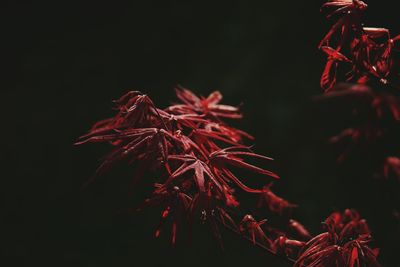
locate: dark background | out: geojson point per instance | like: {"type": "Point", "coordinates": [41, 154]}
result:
{"type": "Point", "coordinates": [65, 62]}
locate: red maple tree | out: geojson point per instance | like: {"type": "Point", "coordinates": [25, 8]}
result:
{"type": "Point", "coordinates": [196, 156]}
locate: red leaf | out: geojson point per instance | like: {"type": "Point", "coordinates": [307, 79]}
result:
{"type": "Point", "coordinates": [274, 203]}
{"type": "Point", "coordinates": [232, 156]}
{"type": "Point", "coordinates": [328, 78]}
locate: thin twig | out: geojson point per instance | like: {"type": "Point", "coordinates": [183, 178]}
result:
{"type": "Point", "coordinates": [258, 244]}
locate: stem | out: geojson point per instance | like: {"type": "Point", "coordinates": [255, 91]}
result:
{"type": "Point", "coordinates": [258, 244]}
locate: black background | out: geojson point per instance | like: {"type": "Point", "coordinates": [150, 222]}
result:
{"type": "Point", "coordinates": [65, 62]}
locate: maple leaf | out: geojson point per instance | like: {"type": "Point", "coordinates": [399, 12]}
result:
{"type": "Point", "coordinates": [345, 6]}
{"type": "Point", "coordinates": [345, 243]}
{"type": "Point", "coordinates": [232, 156]}
{"type": "Point", "coordinates": [233, 134]}
{"type": "Point", "coordinates": [182, 121]}
{"type": "Point", "coordinates": [208, 106]}
{"type": "Point", "coordinates": [208, 138]}
{"type": "Point", "coordinates": [184, 145]}
{"type": "Point", "coordinates": [132, 143]}
{"type": "Point", "coordinates": [201, 172]}
{"type": "Point", "coordinates": [135, 110]}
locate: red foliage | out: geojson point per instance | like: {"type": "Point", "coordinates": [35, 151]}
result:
{"type": "Point", "coordinates": [367, 54]}
{"type": "Point", "coordinates": [344, 244]}
{"type": "Point", "coordinates": [193, 153]}
{"type": "Point", "coordinates": [366, 51]}
{"type": "Point", "coordinates": [190, 148]}
{"type": "Point", "coordinates": [371, 96]}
